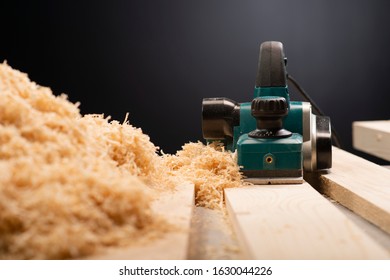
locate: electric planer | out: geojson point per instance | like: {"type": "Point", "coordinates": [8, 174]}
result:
{"type": "Point", "coordinates": [276, 139]}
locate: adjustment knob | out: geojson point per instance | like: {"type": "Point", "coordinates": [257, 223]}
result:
{"type": "Point", "coordinates": [269, 113]}
{"type": "Point", "coordinates": [269, 107]}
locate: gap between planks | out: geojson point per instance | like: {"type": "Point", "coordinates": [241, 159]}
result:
{"type": "Point", "coordinates": [295, 222]}
{"type": "Point", "coordinates": [212, 236]}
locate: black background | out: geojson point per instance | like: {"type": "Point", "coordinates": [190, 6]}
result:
{"type": "Point", "coordinates": [158, 59]}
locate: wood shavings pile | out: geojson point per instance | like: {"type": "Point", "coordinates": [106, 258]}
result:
{"type": "Point", "coordinates": [210, 168]}
{"type": "Point", "coordinates": [71, 184]}
{"type": "Point", "coordinates": [68, 183]}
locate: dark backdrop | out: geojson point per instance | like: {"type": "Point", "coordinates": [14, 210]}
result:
{"type": "Point", "coordinates": [158, 59]}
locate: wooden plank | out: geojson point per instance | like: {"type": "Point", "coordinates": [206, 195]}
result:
{"type": "Point", "coordinates": [295, 222]}
{"type": "Point", "coordinates": [372, 137]}
{"type": "Point", "coordinates": [381, 237]}
{"type": "Point", "coordinates": [177, 208]}
{"type": "Point", "coordinates": [359, 185]}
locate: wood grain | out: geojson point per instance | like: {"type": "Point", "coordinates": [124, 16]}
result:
{"type": "Point", "coordinates": [176, 207]}
{"type": "Point", "coordinates": [372, 137]}
{"type": "Point", "coordinates": [295, 222]}
{"type": "Point", "coordinates": [359, 185]}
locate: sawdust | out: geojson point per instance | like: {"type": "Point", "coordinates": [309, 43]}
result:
{"type": "Point", "coordinates": [72, 184]}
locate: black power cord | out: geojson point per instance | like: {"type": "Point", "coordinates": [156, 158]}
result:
{"type": "Point", "coordinates": [316, 109]}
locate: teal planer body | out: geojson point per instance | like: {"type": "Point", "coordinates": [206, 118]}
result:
{"type": "Point", "coordinates": [275, 139]}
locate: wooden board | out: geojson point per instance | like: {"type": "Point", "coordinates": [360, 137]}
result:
{"type": "Point", "coordinates": [359, 185]}
{"type": "Point", "coordinates": [295, 222]}
{"type": "Point", "coordinates": [372, 137]}
{"type": "Point", "coordinates": [176, 207]}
